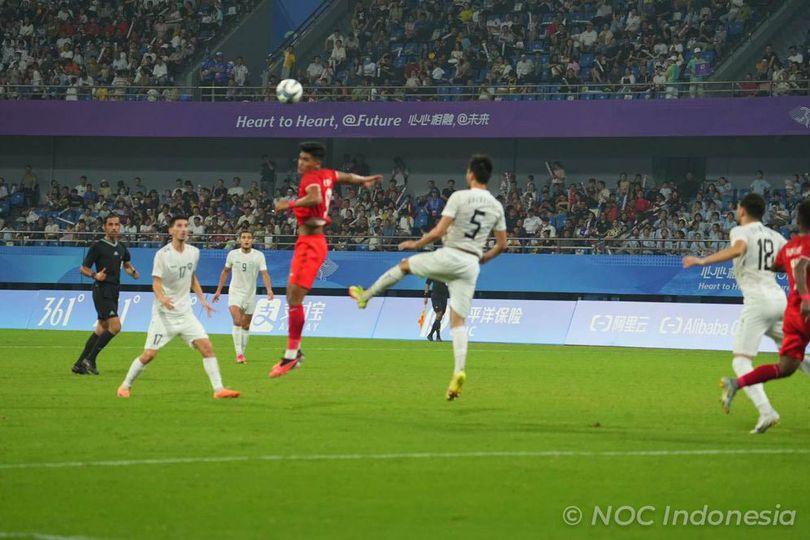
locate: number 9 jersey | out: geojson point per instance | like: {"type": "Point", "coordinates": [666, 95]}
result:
{"type": "Point", "coordinates": [475, 213]}
{"type": "Point", "coordinates": [317, 215]}
{"type": "Point", "coordinates": [753, 268]}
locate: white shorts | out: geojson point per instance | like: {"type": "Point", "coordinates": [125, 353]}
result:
{"type": "Point", "coordinates": [163, 328]}
{"type": "Point", "coordinates": [458, 269]}
{"type": "Point", "coordinates": [760, 317]}
{"type": "Point", "coordinates": [245, 302]}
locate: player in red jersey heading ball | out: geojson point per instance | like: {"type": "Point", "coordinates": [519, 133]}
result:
{"type": "Point", "coordinates": [312, 212]}
{"type": "Point", "coordinates": [795, 260]}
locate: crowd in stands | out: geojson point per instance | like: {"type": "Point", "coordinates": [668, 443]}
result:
{"type": "Point", "coordinates": [780, 75]}
{"type": "Point", "coordinates": [500, 48]}
{"type": "Point", "coordinates": [104, 49]}
{"type": "Point", "coordinates": [549, 214]}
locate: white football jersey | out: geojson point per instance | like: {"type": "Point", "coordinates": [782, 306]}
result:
{"type": "Point", "coordinates": [475, 213]}
{"type": "Point", "coordinates": [175, 269]}
{"type": "Point", "coordinates": [245, 268]}
{"type": "Point", "coordinates": [752, 268]}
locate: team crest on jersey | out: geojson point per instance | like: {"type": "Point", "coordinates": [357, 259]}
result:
{"type": "Point", "coordinates": [189, 265]}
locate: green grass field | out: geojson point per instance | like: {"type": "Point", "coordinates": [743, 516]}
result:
{"type": "Point", "coordinates": [360, 443]}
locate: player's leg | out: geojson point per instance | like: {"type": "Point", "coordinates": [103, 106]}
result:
{"type": "Point", "coordinates": [791, 355]}
{"type": "Point", "coordinates": [193, 333]}
{"type": "Point", "coordinates": [249, 308]}
{"type": "Point", "coordinates": [157, 336]}
{"type": "Point", "coordinates": [388, 279]}
{"type": "Point", "coordinates": [756, 320]}
{"type": "Point", "coordinates": [236, 330]}
{"type": "Point", "coordinates": [461, 290]}
{"type": "Point", "coordinates": [310, 253]}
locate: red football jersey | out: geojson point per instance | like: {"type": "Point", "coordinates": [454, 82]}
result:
{"type": "Point", "coordinates": [796, 249]}
{"type": "Point", "coordinates": [318, 215]}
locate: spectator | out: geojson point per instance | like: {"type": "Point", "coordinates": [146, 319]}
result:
{"type": "Point", "coordinates": [760, 185]}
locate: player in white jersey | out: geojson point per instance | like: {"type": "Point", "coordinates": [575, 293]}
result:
{"type": "Point", "coordinates": [467, 220]}
{"type": "Point", "coordinates": [246, 263]}
{"type": "Point", "coordinates": [753, 249]}
{"type": "Point", "coordinates": [174, 274]}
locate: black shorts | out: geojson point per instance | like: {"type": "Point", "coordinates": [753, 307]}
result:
{"type": "Point", "coordinates": [439, 303]}
{"type": "Point", "coordinates": [105, 299]}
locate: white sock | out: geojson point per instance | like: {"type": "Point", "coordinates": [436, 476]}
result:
{"type": "Point", "coordinates": [212, 369]}
{"type": "Point", "coordinates": [756, 393]}
{"type": "Point", "coordinates": [290, 354]}
{"type": "Point", "coordinates": [459, 334]}
{"type": "Point", "coordinates": [245, 337]}
{"type": "Point", "coordinates": [389, 278]}
{"type": "Point", "coordinates": [236, 333]}
{"type": "Point", "coordinates": [134, 370]}
{"type": "Point", "coordinates": [805, 366]}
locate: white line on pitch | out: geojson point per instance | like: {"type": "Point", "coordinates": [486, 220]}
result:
{"type": "Point", "coordinates": [409, 456]}
{"type": "Point", "coordinates": [41, 536]}
{"type": "Point", "coordinates": [376, 349]}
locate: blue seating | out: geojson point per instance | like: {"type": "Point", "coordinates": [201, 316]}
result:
{"type": "Point", "coordinates": [586, 60]}
{"type": "Point", "coordinates": [17, 198]}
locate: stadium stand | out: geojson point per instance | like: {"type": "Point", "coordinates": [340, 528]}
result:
{"type": "Point", "coordinates": [625, 214]}
{"type": "Point", "coordinates": [105, 50]}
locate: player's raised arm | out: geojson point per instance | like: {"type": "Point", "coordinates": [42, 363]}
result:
{"type": "Point", "coordinates": [356, 179]}
{"type": "Point", "coordinates": [497, 249]}
{"type": "Point", "coordinates": [313, 197]}
{"type": "Point", "coordinates": [732, 252]}
{"type": "Point", "coordinates": [429, 237]}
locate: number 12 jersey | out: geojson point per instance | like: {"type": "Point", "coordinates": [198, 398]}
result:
{"type": "Point", "coordinates": [753, 268]}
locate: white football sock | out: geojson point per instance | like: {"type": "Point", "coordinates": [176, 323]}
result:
{"type": "Point", "coordinates": [743, 365]}
{"type": "Point", "coordinates": [290, 354]}
{"type": "Point", "coordinates": [134, 370]}
{"type": "Point", "coordinates": [236, 332]}
{"type": "Point", "coordinates": [389, 278]}
{"type": "Point", "coordinates": [212, 369]}
{"type": "Point", "coordinates": [459, 334]}
{"type": "Point", "coordinates": [245, 337]}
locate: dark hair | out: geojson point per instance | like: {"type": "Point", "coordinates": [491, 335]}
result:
{"type": "Point", "coordinates": [754, 205]}
{"type": "Point", "coordinates": [314, 149]}
{"type": "Point", "coordinates": [245, 231]}
{"type": "Point", "coordinates": [481, 168]}
{"type": "Point", "coordinates": [109, 217]}
{"type": "Point", "coordinates": [177, 218]}
{"type": "Point", "coordinates": [804, 215]}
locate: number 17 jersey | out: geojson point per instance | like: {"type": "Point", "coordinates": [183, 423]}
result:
{"type": "Point", "coordinates": [752, 268]}
{"type": "Point", "coordinates": [476, 213]}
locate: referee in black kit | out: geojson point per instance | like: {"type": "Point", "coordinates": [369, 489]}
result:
{"type": "Point", "coordinates": [108, 254]}
{"type": "Point", "coordinates": [438, 297]}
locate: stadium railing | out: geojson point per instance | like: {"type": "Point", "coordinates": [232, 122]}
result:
{"type": "Point", "coordinates": [441, 93]}
{"type": "Point", "coordinates": [531, 245]}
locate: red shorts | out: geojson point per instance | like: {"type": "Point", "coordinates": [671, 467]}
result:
{"type": "Point", "coordinates": [310, 252]}
{"type": "Point", "coordinates": [797, 335]}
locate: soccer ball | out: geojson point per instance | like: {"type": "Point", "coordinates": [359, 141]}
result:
{"type": "Point", "coordinates": [289, 91]}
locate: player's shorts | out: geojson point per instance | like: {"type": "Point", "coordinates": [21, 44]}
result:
{"type": "Point", "coordinates": [245, 302]}
{"type": "Point", "coordinates": [163, 328]}
{"type": "Point", "coordinates": [797, 335]}
{"type": "Point", "coordinates": [439, 303]}
{"type": "Point", "coordinates": [458, 269]}
{"type": "Point", "coordinates": [105, 300]}
{"type": "Point", "coordinates": [310, 253]}
{"type": "Point", "coordinates": [759, 317]}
